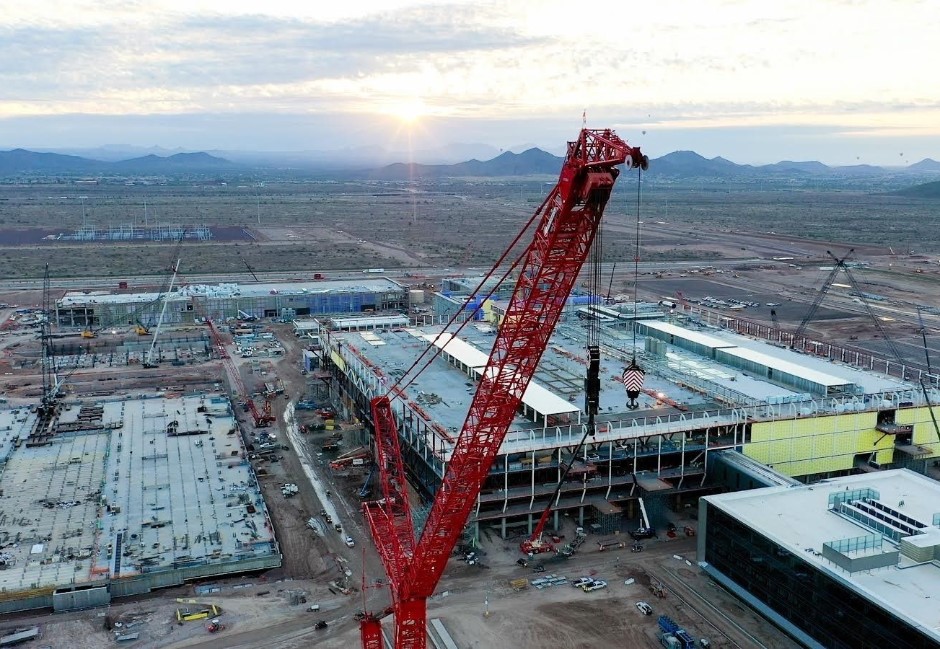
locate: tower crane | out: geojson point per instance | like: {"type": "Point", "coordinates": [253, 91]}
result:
{"type": "Point", "coordinates": [567, 224]}
{"type": "Point", "coordinates": [839, 266]}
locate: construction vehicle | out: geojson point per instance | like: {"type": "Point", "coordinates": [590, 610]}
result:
{"type": "Point", "coordinates": [215, 626]}
{"type": "Point", "coordinates": [645, 531]}
{"type": "Point", "coordinates": [366, 490]}
{"type": "Point", "coordinates": [88, 332]}
{"type": "Point", "coordinates": [673, 635]}
{"type": "Point", "coordinates": [567, 222]}
{"type": "Point", "coordinates": [141, 329]}
{"type": "Point", "coordinates": [657, 588]}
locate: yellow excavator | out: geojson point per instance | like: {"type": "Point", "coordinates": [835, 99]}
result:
{"type": "Point", "coordinates": [141, 328]}
{"type": "Point", "coordinates": [89, 333]}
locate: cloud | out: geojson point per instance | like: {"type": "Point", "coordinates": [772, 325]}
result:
{"type": "Point", "coordinates": [216, 59]}
{"type": "Point", "coordinates": [670, 64]}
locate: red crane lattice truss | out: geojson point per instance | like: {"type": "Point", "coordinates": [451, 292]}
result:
{"type": "Point", "coordinates": [568, 222]}
{"type": "Point", "coordinates": [261, 418]}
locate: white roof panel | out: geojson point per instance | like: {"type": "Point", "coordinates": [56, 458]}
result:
{"type": "Point", "coordinates": [785, 366]}
{"type": "Point", "coordinates": [693, 336]}
{"type": "Point", "coordinates": [536, 397]}
{"type": "Point", "coordinates": [369, 321]}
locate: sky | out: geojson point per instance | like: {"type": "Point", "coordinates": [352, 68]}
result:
{"type": "Point", "coordinates": [841, 81]}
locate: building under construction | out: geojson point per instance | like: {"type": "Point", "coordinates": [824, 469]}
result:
{"type": "Point", "coordinates": [196, 302]}
{"type": "Point", "coordinates": [707, 390]}
{"type": "Point", "coordinates": [120, 497]}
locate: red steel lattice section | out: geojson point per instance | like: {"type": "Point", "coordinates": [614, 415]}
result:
{"type": "Point", "coordinates": [564, 235]}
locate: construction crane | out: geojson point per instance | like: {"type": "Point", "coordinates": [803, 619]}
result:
{"type": "Point", "coordinates": [840, 266]}
{"type": "Point", "coordinates": [50, 384]}
{"type": "Point", "coordinates": [149, 361]}
{"type": "Point", "coordinates": [568, 222]}
{"type": "Point", "coordinates": [610, 285]}
{"type": "Point", "coordinates": [250, 269]}
{"type": "Point", "coordinates": [262, 418]}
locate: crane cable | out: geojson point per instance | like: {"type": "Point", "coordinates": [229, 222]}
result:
{"type": "Point", "coordinates": [401, 384]}
{"type": "Point", "coordinates": [636, 259]}
{"type": "Point", "coordinates": [633, 374]}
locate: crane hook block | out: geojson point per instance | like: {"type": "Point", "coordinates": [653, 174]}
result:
{"type": "Point", "coordinates": [633, 381]}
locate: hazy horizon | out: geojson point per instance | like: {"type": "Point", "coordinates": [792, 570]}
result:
{"type": "Point", "coordinates": [751, 82]}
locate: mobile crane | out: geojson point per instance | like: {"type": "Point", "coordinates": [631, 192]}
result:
{"type": "Point", "coordinates": [568, 222]}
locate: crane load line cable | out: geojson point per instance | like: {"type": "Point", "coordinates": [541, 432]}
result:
{"type": "Point", "coordinates": [636, 259]}
{"type": "Point", "coordinates": [435, 351]}
{"type": "Point", "coordinates": [589, 428]}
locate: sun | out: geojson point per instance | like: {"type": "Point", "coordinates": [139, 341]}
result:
{"type": "Point", "coordinates": [409, 111]}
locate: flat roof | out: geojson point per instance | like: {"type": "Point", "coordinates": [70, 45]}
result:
{"type": "Point", "coordinates": [164, 480]}
{"type": "Point", "coordinates": [535, 396]}
{"type": "Point", "coordinates": [227, 290]}
{"type": "Point", "coordinates": [787, 367]}
{"type": "Point", "coordinates": [15, 424]}
{"type": "Point", "coordinates": [870, 382]}
{"type": "Point", "coordinates": [712, 342]}
{"type": "Point", "coordinates": [444, 392]}
{"type": "Point", "coordinates": [369, 321]}
{"type": "Point", "coordinates": [798, 518]}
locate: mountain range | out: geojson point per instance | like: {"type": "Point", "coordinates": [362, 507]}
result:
{"type": "Point", "coordinates": [23, 162]}
{"type": "Point", "coordinates": [533, 161]}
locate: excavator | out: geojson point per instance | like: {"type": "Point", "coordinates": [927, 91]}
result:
{"type": "Point", "coordinates": [141, 329]}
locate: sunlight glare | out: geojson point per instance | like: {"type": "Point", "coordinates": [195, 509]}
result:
{"type": "Point", "coordinates": [408, 112]}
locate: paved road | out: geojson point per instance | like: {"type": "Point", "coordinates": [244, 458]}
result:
{"type": "Point", "coordinates": [307, 275]}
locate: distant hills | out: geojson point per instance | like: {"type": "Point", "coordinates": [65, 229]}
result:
{"type": "Point", "coordinates": [925, 190]}
{"type": "Point", "coordinates": [676, 165]}
{"type": "Point", "coordinates": [528, 163]}
{"type": "Point", "coordinates": [22, 162]}
{"type": "Point", "coordinates": [679, 165]}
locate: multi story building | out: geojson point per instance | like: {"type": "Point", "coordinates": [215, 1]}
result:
{"type": "Point", "coordinates": [843, 563]}
{"type": "Point", "coordinates": [707, 390]}
{"type": "Point", "coordinates": [194, 302]}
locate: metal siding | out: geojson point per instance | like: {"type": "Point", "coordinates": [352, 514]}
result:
{"type": "Point", "coordinates": [813, 445]}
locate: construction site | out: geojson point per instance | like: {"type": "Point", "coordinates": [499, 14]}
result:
{"type": "Point", "coordinates": [123, 496]}
{"type": "Point", "coordinates": [708, 392]}
{"type": "Point", "coordinates": [448, 459]}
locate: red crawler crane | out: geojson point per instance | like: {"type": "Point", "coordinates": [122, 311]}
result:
{"type": "Point", "coordinates": [261, 418]}
{"type": "Point", "coordinates": [568, 222]}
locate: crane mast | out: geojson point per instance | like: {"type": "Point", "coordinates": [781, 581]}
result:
{"type": "Point", "coordinates": [567, 226]}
